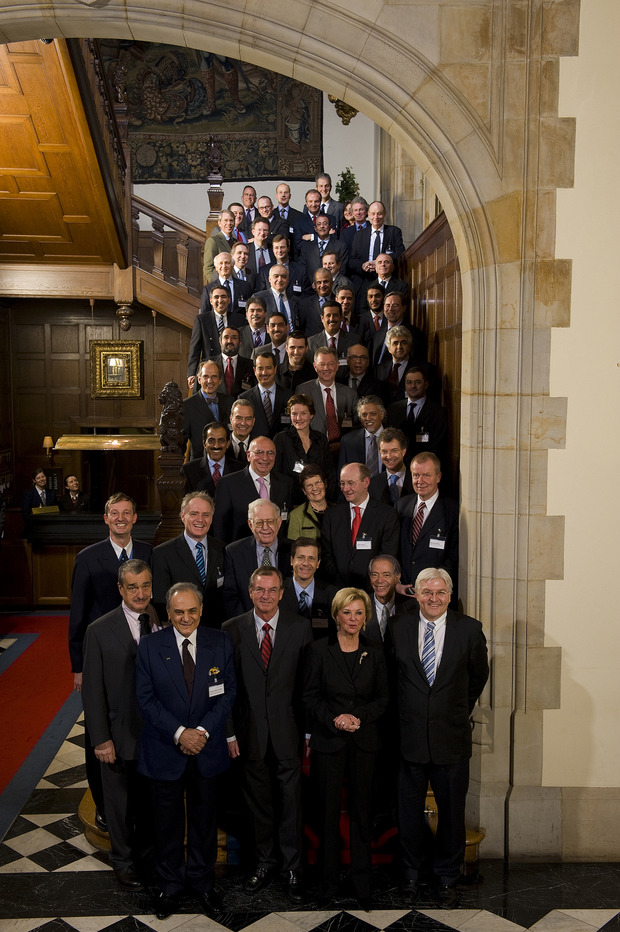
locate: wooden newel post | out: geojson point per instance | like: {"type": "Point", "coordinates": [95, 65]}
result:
{"type": "Point", "coordinates": [171, 484]}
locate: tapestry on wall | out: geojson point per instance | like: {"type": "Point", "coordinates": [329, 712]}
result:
{"type": "Point", "coordinates": [265, 124]}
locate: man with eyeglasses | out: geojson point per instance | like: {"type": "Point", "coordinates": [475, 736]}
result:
{"type": "Point", "coordinates": [269, 646]}
{"type": "Point", "coordinates": [441, 666]}
{"type": "Point", "coordinates": [257, 480]}
{"type": "Point", "coordinates": [356, 531]}
{"type": "Point", "coordinates": [113, 720]}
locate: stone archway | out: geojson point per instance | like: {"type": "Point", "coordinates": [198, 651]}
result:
{"type": "Point", "coordinates": [470, 92]}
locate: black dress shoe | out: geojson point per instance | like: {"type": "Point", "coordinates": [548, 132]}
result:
{"type": "Point", "coordinates": [447, 897]}
{"type": "Point", "coordinates": [211, 903]}
{"type": "Point", "coordinates": [365, 903]}
{"type": "Point", "coordinates": [293, 887]}
{"type": "Point", "coordinates": [100, 821]}
{"type": "Point", "coordinates": [410, 891]}
{"type": "Point", "coordinates": [128, 879]}
{"type": "Point", "coordinates": [260, 879]}
{"type": "Point", "coordinates": [165, 905]}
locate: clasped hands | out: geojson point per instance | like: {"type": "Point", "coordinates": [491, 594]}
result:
{"type": "Point", "coordinates": [346, 722]}
{"type": "Point", "coordinates": [192, 741]}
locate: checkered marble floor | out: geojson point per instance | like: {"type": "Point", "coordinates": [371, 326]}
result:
{"type": "Point", "coordinates": [53, 880]}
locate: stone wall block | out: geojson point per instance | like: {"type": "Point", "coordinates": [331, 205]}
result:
{"type": "Point", "coordinates": [553, 292]}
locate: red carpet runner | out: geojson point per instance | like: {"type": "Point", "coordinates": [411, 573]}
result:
{"type": "Point", "coordinates": [33, 688]}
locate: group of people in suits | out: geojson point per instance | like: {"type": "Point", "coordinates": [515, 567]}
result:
{"type": "Point", "coordinates": [72, 501]}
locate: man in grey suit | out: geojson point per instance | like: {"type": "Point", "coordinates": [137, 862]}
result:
{"type": "Point", "coordinates": [269, 647]}
{"type": "Point", "coordinates": [325, 392]}
{"type": "Point", "coordinates": [113, 720]}
{"type": "Point", "coordinates": [192, 557]}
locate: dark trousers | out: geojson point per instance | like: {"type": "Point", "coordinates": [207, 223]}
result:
{"type": "Point", "coordinates": [449, 783]}
{"type": "Point", "coordinates": [272, 790]}
{"type": "Point", "coordinates": [330, 770]}
{"type": "Point", "coordinates": [128, 813]}
{"type": "Point", "coordinates": [168, 796]}
{"type": "Point", "coordinates": [93, 773]}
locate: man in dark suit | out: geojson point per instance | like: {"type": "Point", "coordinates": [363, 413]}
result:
{"type": "Point", "coordinates": [243, 556]}
{"type": "Point", "coordinates": [311, 306]}
{"type": "Point", "coordinates": [394, 480]}
{"type": "Point", "coordinates": [257, 480]}
{"type": "Point", "coordinates": [357, 530]}
{"type": "Point", "coordinates": [290, 214]}
{"type": "Point", "coordinates": [429, 523]}
{"type": "Point", "coordinates": [298, 281]}
{"type": "Point", "coordinates": [260, 255]}
{"type": "Point", "coordinates": [238, 291]}
{"type": "Point", "coordinates": [394, 313]}
{"type": "Point", "coordinates": [204, 474]}
{"type": "Point", "coordinates": [185, 684]}
{"type": "Point", "coordinates": [303, 594]}
{"type": "Point", "coordinates": [221, 240]}
{"type": "Point", "coordinates": [310, 214]}
{"type": "Point", "coordinates": [357, 375]}
{"type": "Point", "coordinates": [359, 208]}
{"type": "Point", "coordinates": [205, 406]}
{"type": "Point", "coordinates": [192, 557]}
{"type": "Point", "coordinates": [94, 592]}
{"type": "Point", "coordinates": [248, 198]}
{"type": "Point", "coordinates": [372, 319]}
{"type": "Point", "coordinates": [240, 255]}
{"type": "Point", "coordinates": [441, 667]}
{"type": "Point", "coordinates": [323, 184]}
{"type": "Point", "coordinates": [74, 501]}
{"type": "Point", "coordinates": [237, 370]}
{"type": "Point", "coordinates": [269, 647]}
{"type": "Point", "coordinates": [424, 422]}
{"type": "Point", "coordinates": [296, 367]}
{"type": "Point", "coordinates": [277, 299]}
{"type": "Point", "coordinates": [113, 720]}
{"type": "Point", "coordinates": [269, 411]}
{"type": "Point", "coordinates": [206, 330]}
{"type": "Point", "coordinates": [384, 576]}
{"type": "Point", "coordinates": [312, 250]}
{"type": "Point", "coordinates": [396, 361]}
{"type": "Point", "coordinates": [386, 280]}
{"type": "Point", "coordinates": [375, 239]}
{"type": "Point", "coordinates": [345, 296]}
{"type": "Point", "coordinates": [331, 334]}
{"type": "Point", "coordinates": [325, 388]}
{"type": "Point", "coordinates": [255, 334]}
{"type": "Point", "coordinates": [39, 496]}
{"type": "Point", "coordinates": [362, 446]}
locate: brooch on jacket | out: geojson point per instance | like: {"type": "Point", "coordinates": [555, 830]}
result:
{"type": "Point", "coordinates": [365, 654]}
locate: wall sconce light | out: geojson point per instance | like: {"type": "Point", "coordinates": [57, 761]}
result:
{"type": "Point", "coordinates": [48, 446]}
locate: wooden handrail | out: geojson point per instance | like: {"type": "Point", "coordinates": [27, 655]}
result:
{"type": "Point", "coordinates": [169, 220]}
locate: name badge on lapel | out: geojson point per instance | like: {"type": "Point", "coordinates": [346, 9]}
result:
{"type": "Point", "coordinates": [363, 543]}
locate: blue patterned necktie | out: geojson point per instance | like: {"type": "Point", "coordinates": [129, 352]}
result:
{"type": "Point", "coordinates": [304, 607]}
{"type": "Point", "coordinates": [394, 489]}
{"type": "Point", "coordinates": [428, 652]}
{"type": "Point", "coordinates": [123, 557]}
{"type": "Point", "coordinates": [200, 562]}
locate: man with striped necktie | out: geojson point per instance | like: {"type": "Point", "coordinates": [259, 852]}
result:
{"type": "Point", "coordinates": [441, 665]}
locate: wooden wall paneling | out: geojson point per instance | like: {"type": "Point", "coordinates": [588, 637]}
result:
{"type": "Point", "coordinates": [52, 567]}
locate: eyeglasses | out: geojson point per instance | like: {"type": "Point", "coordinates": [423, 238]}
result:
{"type": "Point", "coordinates": [427, 593]}
{"type": "Point", "coordinates": [271, 453]}
{"type": "Point", "coordinates": [265, 522]}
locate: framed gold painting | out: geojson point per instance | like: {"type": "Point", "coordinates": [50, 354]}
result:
{"type": "Point", "coordinates": [116, 368]}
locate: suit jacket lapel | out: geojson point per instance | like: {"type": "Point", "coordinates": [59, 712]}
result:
{"type": "Point", "coordinates": [188, 559]}
{"type": "Point", "coordinates": [434, 522]}
{"type": "Point", "coordinates": [213, 566]}
{"type": "Point", "coordinates": [449, 646]}
{"type": "Point", "coordinates": [248, 637]}
{"type": "Point", "coordinates": [171, 660]}
{"type": "Point", "coordinates": [123, 633]}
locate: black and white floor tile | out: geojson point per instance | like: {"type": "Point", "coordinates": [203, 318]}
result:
{"type": "Point", "coordinates": [53, 880]}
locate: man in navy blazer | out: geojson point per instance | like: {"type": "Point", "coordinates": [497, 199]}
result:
{"type": "Point", "coordinates": [39, 495]}
{"type": "Point", "coordinates": [176, 560]}
{"type": "Point", "coordinates": [269, 647]}
{"type": "Point", "coordinates": [242, 557]}
{"type": "Point", "coordinates": [356, 531]}
{"type": "Point", "coordinates": [437, 542]}
{"type": "Point", "coordinates": [94, 592]}
{"type": "Point", "coordinates": [377, 238]}
{"type": "Point", "coordinates": [441, 667]}
{"type": "Point", "coordinates": [204, 342]}
{"type": "Point", "coordinates": [265, 371]}
{"type": "Point", "coordinates": [235, 492]}
{"type": "Point", "coordinates": [185, 685]}
{"type": "Point", "coordinates": [206, 406]}
{"type": "Point", "coordinates": [199, 473]}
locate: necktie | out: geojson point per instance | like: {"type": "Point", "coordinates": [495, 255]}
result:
{"type": "Point", "coordinates": [229, 376]}
{"type": "Point", "coordinates": [212, 402]}
{"type": "Point", "coordinates": [331, 421]}
{"type": "Point", "coordinates": [241, 454]}
{"type": "Point", "coordinates": [266, 561]}
{"type": "Point", "coordinates": [220, 322]}
{"type": "Point", "coordinates": [282, 309]}
{"type": "Point", "coordinates": [355, 526]}
{"type": "Point", "coordinates": [322, 245]}
{"type": "Point", "coordinates": [42, 496]}
{"type": "Point", "coordinates": [377, 247]}
{"type": "Point", "coordinates": [393, 377]}
{"type": "Point", "coordinates": [428, 652]}
{"type": "Point", "coordinates": [354, 383]}
{"type": "Point", "coordinates": [283, 213]}
{"type": "Point", "coordinates": [200, 561]}
{"type": "Point", "coordinates": [216, 475]}
{"type": "Point", "coordinates": [384, 620]}
{"type": "Point", "coordinates": [261, 258]}
{"type": "Point", "coordinates": [411, 411]}
{"type": "Point", "coordinates": [256, 338]}
{"type": "Point", "coordinates": [304, 605]}
{"type": "Point", "coordinates": [248, 215]}
{"type": "Point", "coordinates": [231, 291]}
{"type": "Point", "coordinates": [188, 667]}
{"type": "Point", "coordinates": [394, 489]}
{"type": "Point", "coordinates": [372, 456]}
{"type": "Point", "coordinates": [313, 218]}
{"type": "Point", "coordinates": [262, 488]}
{"type": "Point", "coordinates": [266, 646]}
{"type": "Point", "coordinates": [332, 342]}
{"type": "Point", "coordinates": [268, 408]}
{"type": "Point", "coordinates": [123, 557]}
{"type": "Point", "coordinates": [418, 521]}
{"type": "Point", "coordinates": [241, 276]}
{"type": "Point", "coordinates": [145, 627]}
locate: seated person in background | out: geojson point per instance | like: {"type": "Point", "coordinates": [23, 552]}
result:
{"type": "Point", "coordinates": [39, 495]}
{"type": "Point", "coordinates": [74, 500]}
{"type": "Point", "coordinates": [306, 519]}
{"type": "Point", "coordinates": [300, 444]}
{"type": "Point", "coordinates": [303, 593]}
{"type": "Point", "coordinates": [262, 548]}
{"type": "Point", "coordinates": [204, 474]}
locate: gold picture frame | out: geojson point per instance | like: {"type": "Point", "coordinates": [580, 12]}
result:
{"type": "Point", "coordinates": [116, 368]}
